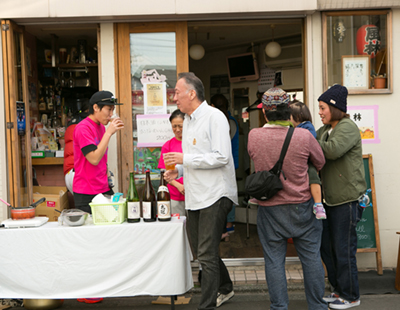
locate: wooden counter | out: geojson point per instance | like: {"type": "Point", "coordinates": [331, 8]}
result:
{"type": "Point", "coordinates": [47, 161]}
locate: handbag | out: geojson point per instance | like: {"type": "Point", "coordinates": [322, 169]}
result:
{"type": "Point", "coordinates": [263, 185]}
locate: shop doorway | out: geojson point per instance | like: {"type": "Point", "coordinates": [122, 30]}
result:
{"type": "Point", "coordinates": [45, 83]}
{"type": "Point", "coordinates": [220, 40]}
{"type": "Point", "coordinates": [160, 49]}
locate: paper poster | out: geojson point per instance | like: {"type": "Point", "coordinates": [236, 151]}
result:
{"type": "Point", "coordinates": [267, 79]}
{"type": "Point", "coordinates": [155, 98]}
{"type": "Point", "coordinates": [153, 130]}
{"type": "Point", "coordinates": [366, 118]}
{"type": "Point", "coordinates": [145, 158]}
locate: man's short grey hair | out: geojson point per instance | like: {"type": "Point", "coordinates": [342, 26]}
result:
{"type": "Point", "coordinates": [194, 83]}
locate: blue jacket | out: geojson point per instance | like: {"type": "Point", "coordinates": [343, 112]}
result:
{"type": "Point", "coordinates": [235, 142]}
{"type": "Point", "coordinates": [309, 126]}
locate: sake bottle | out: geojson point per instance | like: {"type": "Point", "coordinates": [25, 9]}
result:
{"type": "Point", "coordinates": [149, 203]}
{"type": "Point", "coordinates": [163, 200]}
{"type": "Point", "coordinates": [133, 201]}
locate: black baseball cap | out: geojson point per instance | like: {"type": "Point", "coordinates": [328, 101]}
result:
{"type": "Point", "coordinates": [104, 97]}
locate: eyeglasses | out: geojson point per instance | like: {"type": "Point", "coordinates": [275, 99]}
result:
{"type": "Point", "coordinates": [112, 100]}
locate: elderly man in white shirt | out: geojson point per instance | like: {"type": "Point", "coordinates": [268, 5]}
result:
{"type": "Point", "coordinates": [210, 184]}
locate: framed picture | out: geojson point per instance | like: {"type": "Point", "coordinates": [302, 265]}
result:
{"type": "Point", "coordinates": [356, 72]}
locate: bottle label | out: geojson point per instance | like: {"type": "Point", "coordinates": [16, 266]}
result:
{"type": "Point", "coordinates": [146, 209]}
{"type": "Point", "coordinates": [162, 189]}
{"type": "Point", "coordinates": [163, 209]}
{"type": "Point", "coordinates": [133, 210]}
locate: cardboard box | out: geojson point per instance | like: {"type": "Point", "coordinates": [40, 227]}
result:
{"type": "Point", "coordinates": [56, 201]}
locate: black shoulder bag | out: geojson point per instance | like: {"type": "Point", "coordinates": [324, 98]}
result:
{"type": "Point", "coordinates": [263, 185]}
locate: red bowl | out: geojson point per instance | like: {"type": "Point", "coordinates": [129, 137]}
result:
{"type": "Point", "coordinates": [22, 214]}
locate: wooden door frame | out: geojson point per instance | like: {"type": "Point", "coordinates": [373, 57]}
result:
{"type": "Point", "coordinates": [123, 82]}
{"type": "Point", "coordinates": [10, 96]}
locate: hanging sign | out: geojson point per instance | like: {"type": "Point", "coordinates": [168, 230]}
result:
{"type": "Point", "coordinates": [339, 30]}
{"type": "Point", "coordinates": [153, 130]}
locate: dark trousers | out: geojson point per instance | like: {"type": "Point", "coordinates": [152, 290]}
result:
{"type": "Point", "coordinates": [205, 228]}
{"type": "Point", "coordinates": [339, 247]}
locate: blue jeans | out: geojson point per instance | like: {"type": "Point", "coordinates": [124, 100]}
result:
{"type": "Point", "coordinates": [205, 228]}
{"type": "Point", "coordinates": [275, 225]}
{"type": "Point", "coordinates": [231, 215]}
{"type": "Point", "coordinates": [339, 247]}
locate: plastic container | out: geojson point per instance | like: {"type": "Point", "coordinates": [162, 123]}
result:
{"type": "Point", "coordinates": [73, 217]}
{"type": "Point", "coordinates": [108, 213]}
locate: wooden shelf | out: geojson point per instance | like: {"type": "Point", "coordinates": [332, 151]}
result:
{"type": "Point", "coordinates": [70, 65]}
{"type": "Point", "coordinates": [47, 161]}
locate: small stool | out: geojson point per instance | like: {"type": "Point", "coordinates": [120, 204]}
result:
{"type": "Point", "coordinates": [397, 281]}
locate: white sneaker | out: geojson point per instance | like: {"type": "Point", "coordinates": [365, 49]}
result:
{"type": "Point", "coordinates": [331, 297]}
{"type": "Point", "coordinates": [221, 298]}
{"type": "Point", "coordinates": [344, 304]}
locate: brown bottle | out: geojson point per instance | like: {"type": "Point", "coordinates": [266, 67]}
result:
{"type": "Point", "coordinates": [163, 200]}
{"type": "Point", "coordinates": [149, 203]}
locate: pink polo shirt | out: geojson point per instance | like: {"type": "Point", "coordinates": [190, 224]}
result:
{"type": "Point", "coordinates": [89, 179]}
{"type": "Point", "coordinates": [172, 145]}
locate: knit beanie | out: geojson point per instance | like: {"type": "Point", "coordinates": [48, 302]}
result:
{"type": "Point", "coordinates": [335, 96]}
{"type": "Point", "coordinates": [272, 98]}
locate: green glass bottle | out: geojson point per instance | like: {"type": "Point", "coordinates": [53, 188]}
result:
{"type": "Point", "coordinates": [133, 201]}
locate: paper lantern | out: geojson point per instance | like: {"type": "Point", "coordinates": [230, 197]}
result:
{"type": "Point", "coordinates": [368, 40]}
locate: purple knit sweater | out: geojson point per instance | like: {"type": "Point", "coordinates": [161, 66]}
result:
{"type": "Point", "coordinates": [264, 147]}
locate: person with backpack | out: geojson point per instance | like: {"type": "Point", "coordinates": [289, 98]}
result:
{"type": "Point", "coordinates": [289, 213]}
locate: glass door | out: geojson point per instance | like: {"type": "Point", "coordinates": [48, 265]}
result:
{"type": "Point", "coordinates": [17, 114]}
{"type": "Point", "coordinates": [159, 49]}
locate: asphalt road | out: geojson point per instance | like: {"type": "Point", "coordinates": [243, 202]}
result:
{"type": "Point", "coordinates": [241, 301]}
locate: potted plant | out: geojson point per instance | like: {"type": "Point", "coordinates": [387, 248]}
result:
{"type": "Point", "coordinates": [380, 79]}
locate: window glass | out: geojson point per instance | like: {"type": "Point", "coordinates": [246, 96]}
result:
{"type": "Point", "coordinates": [150, 51]}
{"type": "Point", "coordinates": [357, 50]}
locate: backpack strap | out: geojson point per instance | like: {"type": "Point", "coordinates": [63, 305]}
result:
{"type": "Point", "coordinates": [278, 166]}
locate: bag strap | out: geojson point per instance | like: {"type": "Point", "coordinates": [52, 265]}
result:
{"type": "Point", "coordinates": [278, 166]}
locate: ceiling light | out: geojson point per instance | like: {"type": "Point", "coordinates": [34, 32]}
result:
{"type": "Point", "coordinates": [196, 51]}
{"type": "Point", "coordinates": [273, 49]}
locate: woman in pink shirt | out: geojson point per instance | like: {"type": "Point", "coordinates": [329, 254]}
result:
{"type": "Point", "coordinates": [175, 187]}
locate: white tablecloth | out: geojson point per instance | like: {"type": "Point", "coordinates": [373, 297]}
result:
{"type": "Point", "coordinates": [55, 261]}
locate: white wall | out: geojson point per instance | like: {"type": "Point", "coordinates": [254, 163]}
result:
{"type": "Point", "coordinates": [385, 154]}
{"type": "Point", "coordinates": [107, 78]}
{"type": "Point", "coordinates": [79, 8]}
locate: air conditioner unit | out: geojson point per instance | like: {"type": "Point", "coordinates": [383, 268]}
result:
{"type": "Point", "coordinates": [290, 57]}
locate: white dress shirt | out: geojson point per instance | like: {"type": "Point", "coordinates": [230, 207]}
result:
{"type": "Point", "coordinates": [208, 168]}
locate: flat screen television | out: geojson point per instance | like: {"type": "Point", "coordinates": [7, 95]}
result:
{"type": "Point", "coordinates": [242, 67]}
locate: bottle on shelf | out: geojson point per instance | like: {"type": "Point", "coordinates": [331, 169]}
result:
{"type": "Point", "coordinates": [133, 201]}
{"type": "Point", "coordinates": [149, 203]}
{"type": "Point", "coordinates": [55, 122]}
{"type": "Point", "coordinates": [50, 99]}
{"type": "Point", "coordinates": [42, 104]}
{"type": "Point", "coordinates": [163, 200]}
